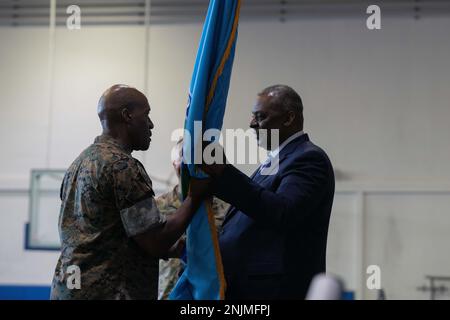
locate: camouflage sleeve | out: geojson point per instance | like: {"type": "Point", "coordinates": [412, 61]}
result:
{"type": "Point", "coordinates": [135, 197]}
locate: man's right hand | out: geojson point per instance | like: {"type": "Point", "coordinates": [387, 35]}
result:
{"type": "Point", "coordinates": [200, 189]}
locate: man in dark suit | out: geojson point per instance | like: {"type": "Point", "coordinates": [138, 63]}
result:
{"type": "Point", "coordinates": [274, 236]}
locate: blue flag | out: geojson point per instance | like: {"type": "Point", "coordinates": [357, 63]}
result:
{"type": "Point", "coordinates": [203, 277]}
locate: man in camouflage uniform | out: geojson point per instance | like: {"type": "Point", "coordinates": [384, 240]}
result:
{"type": "Point", "coordinates": [109, 224]}
{"type": "Point", "coordinates": [168, 203]}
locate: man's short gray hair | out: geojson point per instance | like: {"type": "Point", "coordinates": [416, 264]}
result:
{"type": "Point", "coordinates": [284, 96]}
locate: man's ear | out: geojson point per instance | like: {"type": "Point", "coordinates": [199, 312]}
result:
{"type": "Point", "coordinates": [290, 119]}
{"type": "Point", "coordinates": [126, 115]}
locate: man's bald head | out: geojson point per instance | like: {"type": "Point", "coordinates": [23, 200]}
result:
{"type": "Point", "coordinates": [123, 113]}
{"type": "Point", "coordinates": [117, 97]}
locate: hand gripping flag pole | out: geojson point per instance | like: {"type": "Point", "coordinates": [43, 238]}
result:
{"type": "Point", "coordinates": [203, 277]}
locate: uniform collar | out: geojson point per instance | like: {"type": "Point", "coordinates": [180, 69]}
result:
{"type": "Point", "coordinates": [107, 139]}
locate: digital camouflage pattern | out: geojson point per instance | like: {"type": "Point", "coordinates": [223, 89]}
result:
{"type": "Point", "coordinates": [169, 270]}
{"type": "Point", "coordinates": [107, 198]}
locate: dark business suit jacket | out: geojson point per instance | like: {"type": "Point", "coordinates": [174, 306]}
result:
{"type": "Point", "coordinates": [274, 236]}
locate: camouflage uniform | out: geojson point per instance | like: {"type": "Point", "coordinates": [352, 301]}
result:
{"type": "Point", "coordinates": [220, 208]}
{"type": "Point", "coordinates": [169, 270]}
{"type": "Point", "coordinates": [107, 198]}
